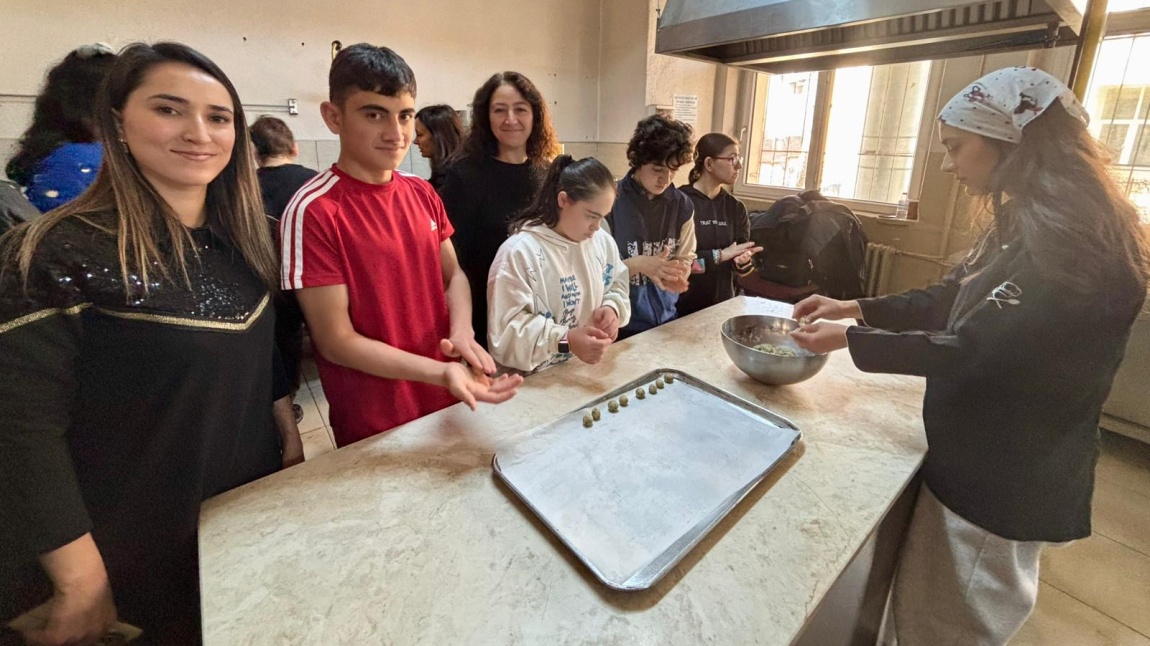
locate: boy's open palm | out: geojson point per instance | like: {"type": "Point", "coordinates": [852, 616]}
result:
{"type": "Point", "coordinates": [471, 386]}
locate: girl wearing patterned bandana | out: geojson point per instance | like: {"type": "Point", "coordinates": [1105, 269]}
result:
{"type": "Point", "coordinates": [1019, 345]}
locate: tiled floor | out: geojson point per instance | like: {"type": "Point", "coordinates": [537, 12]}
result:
{"type": "Point", "coordinates": [1095, 592]}
{"type": "Point", "coordinates": [314, 429]}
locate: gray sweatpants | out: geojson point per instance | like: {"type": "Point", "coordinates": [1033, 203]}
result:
{"type": "Point", "coordinates": [957, 583]}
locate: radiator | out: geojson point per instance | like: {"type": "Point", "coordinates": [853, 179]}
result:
{"type": "Point", "coordinates": [879, 260]}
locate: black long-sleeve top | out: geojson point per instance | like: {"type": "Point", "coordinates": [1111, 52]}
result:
{"type": "Point", "coordinates": [278, 184]}
{"type": "Point", "coordinates": [481, 195]}
{"type": "Point", "coordinates": [719, 222]}
{"type": "Point", "coordinates": [119, 415]}
{"type": "Point", "coordinates": [1017, 369]}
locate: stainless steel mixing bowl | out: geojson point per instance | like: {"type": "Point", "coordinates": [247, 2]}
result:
{"type": "Point", "coordinates": [742, 333]}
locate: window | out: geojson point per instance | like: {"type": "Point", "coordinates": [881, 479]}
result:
{"type": "Point", "coordinates": [1119, 102]}
{"type": "Point", "coordinates": [852, 132]}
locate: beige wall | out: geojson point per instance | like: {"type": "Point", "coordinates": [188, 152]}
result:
{"type": "Point", "coordinates": [276, 51]}
{"type": "Point", "coordinates": [593, 60]}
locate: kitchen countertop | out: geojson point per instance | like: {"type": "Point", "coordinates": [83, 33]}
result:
{"type": "Point", "coordinates": [407, 537]}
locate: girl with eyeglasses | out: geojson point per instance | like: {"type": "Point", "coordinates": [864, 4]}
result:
{"type": "Point", "coordinates": [722, 228]}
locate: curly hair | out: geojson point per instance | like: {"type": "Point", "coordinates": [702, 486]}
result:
{"type": "Point", "coordinates": [659, 140]}
{"type": "Point", "coordinates": [542, 144]}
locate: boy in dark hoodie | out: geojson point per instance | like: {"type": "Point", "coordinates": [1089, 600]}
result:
{"type": "Point", "coordinates": [652, 222]}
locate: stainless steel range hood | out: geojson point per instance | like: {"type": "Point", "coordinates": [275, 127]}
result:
{"type": "Point", "coordinates": [803, 35]}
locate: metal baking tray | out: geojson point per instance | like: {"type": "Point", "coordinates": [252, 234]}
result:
{"type": "Point", "coordinates": [633, 494]}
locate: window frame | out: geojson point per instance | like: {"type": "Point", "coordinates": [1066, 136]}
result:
{"type": "Point", "coordinates": [751, 93]}
{"type": "Point", "coordinates": [1131, 24]}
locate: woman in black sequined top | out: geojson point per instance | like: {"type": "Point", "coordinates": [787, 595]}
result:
{"type": "Point", "coordinates": [136, 348]}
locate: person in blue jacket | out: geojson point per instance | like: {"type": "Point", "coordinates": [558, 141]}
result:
{"type": "Point", "coordinates": [59, 155]}
{"type": "Point", "coordinates": [652, 222]}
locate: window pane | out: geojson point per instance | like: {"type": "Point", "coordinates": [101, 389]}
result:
{"type": "Point", "coordinates": [1113, 136]}
{"type": "Point", "coordinates": [1139, 191]}
{"type": "Point", "coordinates": [1119, 102]}
{"type": "Point", "coordinates": [783, 122]}
{"type": "Point", "coordinates": [873, 129]}
{"type": "Point", "coordinates": [1142, 147]}
{"type": "Point", "coordinates": [1115, 6]}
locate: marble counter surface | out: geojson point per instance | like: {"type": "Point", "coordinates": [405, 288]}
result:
{"type": "Point", "coordinates": [407, 537]}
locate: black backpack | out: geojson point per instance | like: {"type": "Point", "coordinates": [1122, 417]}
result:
{"type": "Point", "coordinates": [810, 240]}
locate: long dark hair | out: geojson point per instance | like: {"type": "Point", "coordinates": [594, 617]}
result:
{"type": "Point", "coordinates": [581, 180]}
{"type": "Point", "coordinates": [1064, 206]}
{"type": "Point", "coordinates": [442, 121]}
{"type": "Point", "coordinates": [63, 112]}
{"type": "Point", "coordinates": [145, 223]}
{"type": "Point", "coordinates": [710, 146]}
{"type": "Point", "coordinates": [542, 144]}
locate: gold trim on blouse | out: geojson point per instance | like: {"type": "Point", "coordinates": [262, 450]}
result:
{"type": "Point", "coordinates": [162, 319]}
{"type": "Point", "coordinates": [165, 319]}
{"type": "Point", "coordinates": [42, 314]}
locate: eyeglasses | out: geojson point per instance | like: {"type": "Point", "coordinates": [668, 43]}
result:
{"type": "Point", "coordinates": [734, 159]}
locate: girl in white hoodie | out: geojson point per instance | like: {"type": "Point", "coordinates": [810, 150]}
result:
{"type": "Point", "coordinates": [557, 286]}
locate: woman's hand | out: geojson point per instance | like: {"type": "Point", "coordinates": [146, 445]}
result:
{"type": "Point", "coordinates": [76, 616]}
{"type": "Point", "coordinates": [81, 609]}
{"type": "Point", "coordinates": [816, 307]}
{"type": "Point", "coordinates": [605, 318]}
{"type": "Point", "coordinates": [740, 252]}
{"type": "Point", "coordinates": [291, 446]}
{"type": "Point", "coordinates": [471, 386]}
{"type": "Point", "coordinates": [821, 338]}
{"type": "Point", "coordinates": [292, 453]}
{"type": "Point", "coordinates": [589, 343]}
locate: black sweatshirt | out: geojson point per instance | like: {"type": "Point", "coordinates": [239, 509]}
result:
{"type": "Point", "coordinates": [279, 183]}
{"type": "Point", "coordinates": [719, 223]}
{"type": "Point", "coordinates": [120, 416]}
{"type": "Point", "coordinates": [481, 196]}
{"type": "Point", "coordinates": [1017, 369]}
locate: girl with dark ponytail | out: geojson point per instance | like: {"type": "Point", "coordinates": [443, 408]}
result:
{"type": "Point", "coordinates": [558, 286]}
{"type": "Point", "coordinates": [722, 229]}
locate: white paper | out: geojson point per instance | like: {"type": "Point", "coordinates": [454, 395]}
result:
{"type": "Point", "coordinates": [687, 109]}
{"type": "Point", "coordinates": [624, 492]}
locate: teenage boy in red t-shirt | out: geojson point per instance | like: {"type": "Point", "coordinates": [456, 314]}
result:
{"type": "Point", "coordinates": [368, 250]}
